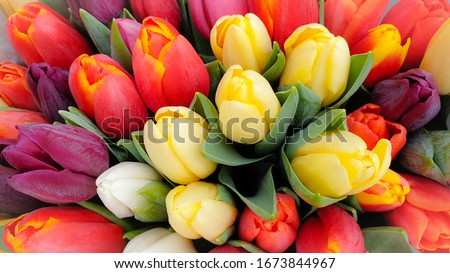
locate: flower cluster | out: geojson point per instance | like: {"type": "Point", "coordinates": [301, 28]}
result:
{"type": "Point", "coordinates": [225, 126]}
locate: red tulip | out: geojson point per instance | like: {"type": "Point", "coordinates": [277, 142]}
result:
{"type": "Point", "coordinates": [167, 68]}
{"type": "Point", "coordinates": [385, 43]}
{"type": "Point", "coordinates": [272, 236]}
{"type": "Point", "coordinates": [10, 118]}
{"type": "Point", "coordinates": [39, 34]}
{"type": "Point", "coordinates": [425, 215]}
{"type": "Point", "coordinates": [206, 13]}
{"type": "Point", "coordinates": [282, 17]}
{"type": "Point", "coordinates": [352, 19]}
{"type": "Point", "coordinates": [14, 90]}
{"type": "Point", "coordinates": [106, 93]}
{"type": "Point", "coordinates": [227, 248]}
{"type": "Point", "coordinates": [418, 19]}
{"type": "Point", "coordinates": [333, 230]}
{"type": "Point", "coordinates": [63, 229]}
{"type": "Point", "coordinates": [367, 123]}
{"type": "Point", "coordinates": [166, 9]}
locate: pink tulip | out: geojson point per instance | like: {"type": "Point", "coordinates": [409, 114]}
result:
{"type": "Point", "coordinates": [165, 9]}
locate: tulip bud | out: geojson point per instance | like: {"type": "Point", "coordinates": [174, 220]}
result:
{"type": "Point", "coordinates": [63, 229]}
{"type": "Point", "coordinates": [39, 34]}
{"type": "Point", "coordinates": [338, 163]}
{"type": "Point", "coordinates": [272, 236]}
{"type": "Point", "coordinates": [387, 194]}
{"type": "Point", "coordinates": [129, 31]}
{"type": "Point", "coordinates": [424, 215]}
{"type": "Point", "coordinates": [133, 189]}
{"type": "Point", "coordinates": [167, 68]}
{"type": "Point", "coordinates": [14, 90]}
{"type": "Point", "coordinates": [427, 153]}
{"type": "Point", "coordinates": [319, 60]}
{"type": "Point", "coordinates": [352, 19]}
{"type": "Point", "coordinates": [242, 40]}
{"type": "Point", "coordinates": [384, 42]}
{"type": "Point", "coordinates": [410, 98]}
{"type": "Point", "coordinates": [436, 60]}
{"type": "Point", "coordinates": [418, 19]}
{"type": "Point", "coordinates": [166, 9]}
{"type": "Point", "coordinates": [58, 163]}
{"type": "Point", "coordinates": [202, 209]}
{"type": "Point", "coordinates": [10, 118]}
{"type": "Point", "coordinates": [160, 240]}
{"type": "Point", "coordinates": [106, 93]}
{"type": "Point", "coordinates": [247, 105]}
{"type": "Point", "coordinates": [367, 123]}
{"type": "Point", "coordinates": [333, 230]}
{"type": "Point", "coordinates": [102, 10]}
{"type": "Point", "coordinates": [174, 141]}
{"type": "Point", "coordinates": [205, 13]}
{"type": "Point", "coordinates": [50, 89]}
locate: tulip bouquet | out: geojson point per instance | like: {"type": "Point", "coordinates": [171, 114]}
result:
{"type": "Point", "coordinates": [225, 126]}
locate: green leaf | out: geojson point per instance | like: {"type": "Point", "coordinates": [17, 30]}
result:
{"type": "Point", "coordinates": [154, 210]}
{"type": "Point", "coordinates": [220, 149]}
{"type": "Point", "coordinates": [215, 71]}
{"type": "Point", "coordinates": [128, 145]}
{"type": "Point", "coordinates": [119, 50]}
{"type": "Point", "coordinates": [263, 202]}
{"type": "Point", "coordinates": [314, 199]}
{"type": "Point", "coordinates": [245, 245]}
{"type": "Point", "coordinates": [205, 108]}
{"type": "Point", "coordinates": [138, 140]}
{"type": "Point", "coordinates": [360, 66]}
{"type": "Point", "coordinates": [387, 240]}
{"type": "Point", "coordinates": [125, 13]}
{"type": "Point", "coordinates": [60, 7]}
{"type": "Point", "coordinates": [275, 65]}
{"type": "Point", "coordinates": [123, 223]}
{"type": "Point", "coordinates": [277, 134]}
{"type": "Point", "coordinates": [3, 248]}
{"type": "Point", "coordinates": [99, 33]}
{"type": "Point", "coordinates": [333, 119]}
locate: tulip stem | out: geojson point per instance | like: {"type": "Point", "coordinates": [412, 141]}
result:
{"type": "Point", "coordinates": [107, 214]}
{"type": "Point", "coordinates": [322, 12]}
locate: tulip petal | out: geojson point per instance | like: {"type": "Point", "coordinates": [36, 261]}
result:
{"type": "Point", "coordinates": [278, 240]}
{"type": "Point", "coordinates": [312, 237]}
{"type": "Point", "coordinates": [56, 187]}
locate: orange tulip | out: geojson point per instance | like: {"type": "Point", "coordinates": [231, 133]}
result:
{"type": "Point", "coordinates": [385, 43]}
{"type": "Point", "coordinates": [11, 117]}
{"type": "Point", "coordinates": [63, 229]}
{"type": "Point", "coordinates": [282, 17]}
{"type": "Point", "coordinates": [352, 19]}
{"type": "Point", "coordinates": [387, 194]}
{"type": "Point", "coordinates": [167, 69]}
{"type": "Point", "coordinates": [14, 90]}
{"type": "Point", "coordinates": [40, 34]}
{"type": "Point", "coordinates": [418, 19]}
{"type": "Point", "coordinates": [425, 215]}
{"type": "Point", "coordinates": [106, 93]}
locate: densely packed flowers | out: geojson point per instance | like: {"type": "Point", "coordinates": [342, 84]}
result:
{"type": "Point", "coordinates": [225, 126]}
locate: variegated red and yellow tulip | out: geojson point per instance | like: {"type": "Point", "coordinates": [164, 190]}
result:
{"type": "Point", "coordinates": [282, 17]}
{"type": "Point", "coordinates": [333, 230]}
{"type": "Point", "coordinates": [385, 43]}
{"type": "Point", "coordinates": [14, 90]}
{"type": "Point", "coordinates": [11, 117]}
{"type": "Point", "coordinates": [167, 69]}
{"type": "Point", "coordinates": [387, 194]}
{"type": "Point", "coordinates": [106, 93]}
{"type": "Point", "coordinates": [63, 229]}
{"type": "Point", "coordinates": [352, 19]}
{"type": "Point", "coordinates": [419, 20]}
{"type": "Point", "coordinates": [40, 34]}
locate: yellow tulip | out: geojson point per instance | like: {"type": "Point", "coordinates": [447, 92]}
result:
{"type": "Point", "coordinates": [247, 105]}
{"type": "Point", "coordinates": [319, 60]}
{"type": "Point", "coordinates": [338, 163]}
{"type": "Point", "coordinates": [243, 40]}
{"type": "Point", "coordinates": [437, 60]}
{"type": "Point", "coordinates": [201, 209]}
{"type": "Point", "coordinates": [10, 7]}
{"type": "Point", "coordinates": [173, 142]}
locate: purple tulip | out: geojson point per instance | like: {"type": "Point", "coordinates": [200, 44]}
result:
{"type": "Point", "coordinates": [13, 202]}
{"type": "Point", "coordinates": [129, 31]}
{"type": "Point", "coordinates": [102, 10]}
{"type": "Point", "coordinates": [50, 89]}
{"type": "Point", "coordinates": [206, 13]}
{"type": "Point", "coordinates": [410, 98]}
{"type": "Point", "coordinates": [58, 163]}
